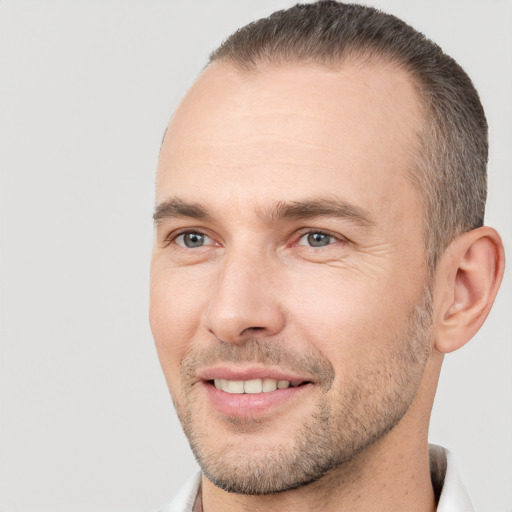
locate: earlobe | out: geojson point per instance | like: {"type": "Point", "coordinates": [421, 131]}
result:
{"type": "Point", "coordinates": [467, 280]}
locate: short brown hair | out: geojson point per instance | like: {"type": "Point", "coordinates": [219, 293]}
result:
{"type": "Point", "coordinates": [450, 170]}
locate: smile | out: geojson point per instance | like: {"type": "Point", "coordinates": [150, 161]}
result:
{"type": "Point", "coordinates": [253, 386]}
{"type": "Point", "coordinates": [245, 391]}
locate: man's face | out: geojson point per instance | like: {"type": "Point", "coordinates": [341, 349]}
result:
{"type": "Point", "coordinates": [289, 264]}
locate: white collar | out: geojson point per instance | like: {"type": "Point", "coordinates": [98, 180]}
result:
{"type": "Point", "coordinates": [453, 496]}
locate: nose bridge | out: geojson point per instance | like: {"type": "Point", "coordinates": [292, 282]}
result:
{"type": "Point", "coordinates": [243, 302]}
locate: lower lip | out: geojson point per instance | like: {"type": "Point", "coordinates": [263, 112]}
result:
{"type": "Point", "coordinates": [249, 405]}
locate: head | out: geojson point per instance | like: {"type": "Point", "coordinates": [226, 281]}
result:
{"type": "Point", "coordinates": [320, 194]}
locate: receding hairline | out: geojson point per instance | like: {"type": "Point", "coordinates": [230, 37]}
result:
{"type": "Point", "coordinates": [356, 59]}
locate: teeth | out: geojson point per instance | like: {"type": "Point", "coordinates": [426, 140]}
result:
{"type": "Point", "coordinates": [253, 386]}
{"type": "Point", "coordinates": [269, 385]}
{"type": "Point", "coordinates": [234, 386]}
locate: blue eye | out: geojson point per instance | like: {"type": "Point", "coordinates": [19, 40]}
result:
{"type": "Point", "coordinates": [192, 240]}
{"type": "Point", "coordinates": [316, 239]}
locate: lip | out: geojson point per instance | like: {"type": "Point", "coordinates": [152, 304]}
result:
{"type": "Point", "coordinates": [249, 373]}
{"type": "Point", "coordinates": [246, 405]}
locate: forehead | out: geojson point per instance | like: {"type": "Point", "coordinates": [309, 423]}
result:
{"type": "Point", "coordinates": [292, 131]}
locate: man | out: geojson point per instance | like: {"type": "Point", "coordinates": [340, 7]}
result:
{"type": "Point", "coordinates": [319, 246]}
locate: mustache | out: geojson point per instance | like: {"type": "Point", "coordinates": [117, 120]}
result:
{"type": "Point", "coordinates": [265, 352]}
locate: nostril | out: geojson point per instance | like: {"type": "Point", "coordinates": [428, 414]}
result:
{"type": "Point", "coordinates": [252, 329]}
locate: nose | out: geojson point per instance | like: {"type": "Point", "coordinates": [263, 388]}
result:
{"type": "Point", "coordinates": [245, 301]}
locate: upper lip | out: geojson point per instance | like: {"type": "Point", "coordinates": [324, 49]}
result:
{"type": "Point", "coordinates": [248, 373]}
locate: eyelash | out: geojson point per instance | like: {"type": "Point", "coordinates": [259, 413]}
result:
{"type": "Point", "coordinates": [331, 238]}
{"type": "Point", "coordinates": [175, 235]}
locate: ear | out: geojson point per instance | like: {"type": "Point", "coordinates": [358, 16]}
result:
{"type": "Point", "coordinates": [467, 280]}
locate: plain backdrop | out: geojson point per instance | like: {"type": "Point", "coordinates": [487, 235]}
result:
{"type": "Point", "coordinates": [86, 89]}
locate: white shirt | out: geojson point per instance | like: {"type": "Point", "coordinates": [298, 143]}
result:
{"type": "Point", "coordinates": [445, 479]}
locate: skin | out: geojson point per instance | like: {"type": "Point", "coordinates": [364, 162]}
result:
{"type": "Point", "coordinates": [240, 146]}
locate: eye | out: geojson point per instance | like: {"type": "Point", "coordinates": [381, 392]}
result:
{"type": "Point", "coordinates": [192, 240]}
{"type": "Point", "coordinates": [316, 239]}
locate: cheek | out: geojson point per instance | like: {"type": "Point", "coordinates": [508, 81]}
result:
{"type": "Point", "coordinates": [174, 316]}
{"type": "Point", "coordinates": [349, 318]}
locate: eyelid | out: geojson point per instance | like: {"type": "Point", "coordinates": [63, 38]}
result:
{"type": "Point", "coordinates": [175, 234]}
{"type": "Point", "coordinates": [307, 231]}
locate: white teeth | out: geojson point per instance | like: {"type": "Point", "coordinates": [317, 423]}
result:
{"type": "Point", "coordinates": [269, 385]}
{"type": "Point", "coordinates": [234, 386]}
{"type": "Point", "coordinates": [252, 386]}
{"type": "Point", "coordinates": [220, 383]}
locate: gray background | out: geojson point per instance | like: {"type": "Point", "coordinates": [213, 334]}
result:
{"type": "Point", "coordinates": [86, 90]}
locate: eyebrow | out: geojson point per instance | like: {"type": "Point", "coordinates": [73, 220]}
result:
{"type": "Point", "coordinates": [282, 210]}
{"type": "Point", "coordinates": [175, 207]}
{"type": "Point", "coordinates": [320, 207]}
